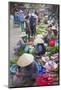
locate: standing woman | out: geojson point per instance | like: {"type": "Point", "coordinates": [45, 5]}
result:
{"type": "Point", "coordinates": [28, 30]}
{"type": "Point", "coordinates": [32, 20]}
{"type": "Point", "coordinates": [21, 18]}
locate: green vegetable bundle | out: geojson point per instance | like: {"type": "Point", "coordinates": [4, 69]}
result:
{"type": "Point", "coordinates": [40, 29]}
{"type": "Point", "coordinates": [52, 50]}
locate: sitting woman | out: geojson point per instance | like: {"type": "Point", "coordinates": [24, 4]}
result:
{"type": "Point", "coordinates": [40, 48]}
{"type": "Point", "coordinates": [26, 72]}
{"type": "Point", "coordinates": [49, 34]}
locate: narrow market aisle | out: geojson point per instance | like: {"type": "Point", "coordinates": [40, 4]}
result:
{"type": "Point", "coordinates": [15, 35]}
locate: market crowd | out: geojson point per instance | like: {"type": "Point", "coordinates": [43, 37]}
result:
{"type": "Point", "coordinates": [27, 69]}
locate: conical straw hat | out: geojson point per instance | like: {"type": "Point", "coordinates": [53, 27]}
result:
{"type": "Point", "coordinates": [38, 41]}
{"type": "Point", "coordinates": [25, 60]}
{"type": "Point", "coordinates": [39, 36]}
{"type": "Point", "coordinates": [53, 28]}
{"type": "Point", "coordinates": [23, 34]}
{"type": "Point", "coordinates": [21, 11]}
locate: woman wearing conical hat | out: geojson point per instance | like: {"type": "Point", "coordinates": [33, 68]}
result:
{"type": "Point", "coordinates": [26, 72]}
{"type": "Point", "coordinates": [39, 46]}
